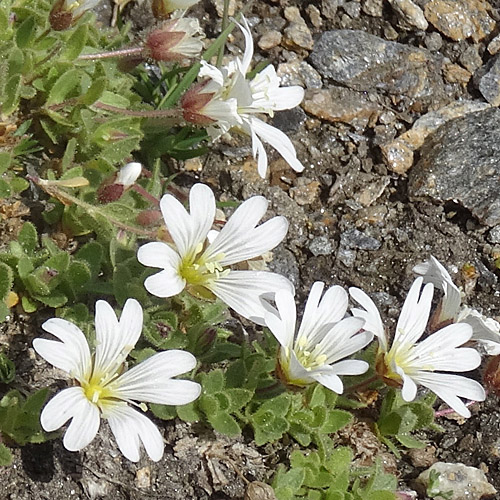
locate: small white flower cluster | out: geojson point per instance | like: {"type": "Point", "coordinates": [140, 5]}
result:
{"type": "Point", "coordinates": [199, 260]}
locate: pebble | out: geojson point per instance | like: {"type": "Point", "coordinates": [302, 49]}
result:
{"type": "Point", "coordinates": [346, 256]}
{"type": "Point", "coordinates": [433, 41]}
{"type": "Point", "coordinates": [329, 8]}
{"type": "Point", "coordinates": [298, 36]}
{"type": "Point", "coordinates": [374, 8]}
{"type": "Point", "coordinates": [355, 239]}
{"type": "Point", "coordinates": [372, 192]}
{"type": "Point", "coordinates": [494, 45]}
{"type": "Point", "coordinates": [321, 245]}
{"type": "Point", "coordinates": [494, 235]}
{"type": "Point", "coordinates": [299, 73]}
{"type": "Point", "coordinates": [305, 193]}
{"type": "Point", "coordinates": [423, 457]}
{"type": "Point", "coordinates": [460, 19]}
{"type": "Point", "coordinates": [143, 478]}
{"type": "Point", "coordinates": [338, 104]}
{"type": "Point", "coordinates": [464, 483]}
{"type": "Point", "coordinates": [461, 162]}
{"type": "Point", "coordinates": [259, 491]}
{"type": "Point", "coordinates": [352, 9]}
{"type": "Point", "coordinates": [489, 84]}
{"type": "Point", "coordinates": [365, 62]}
{"type": "Point", "coordinates": [270, 40]}
{"type": "Point", "coordinates": [398, 154]}
{"type": "Point", "coordinates": [470, 58]}
{"type": "Point", "coordinates": [219, 7]}
{"type": "Point", "coordinates": [410, 13]}
{"type": "Point", "coordinates": [314, 15]}
{"type": "Point", "coordinates": [454, 73]}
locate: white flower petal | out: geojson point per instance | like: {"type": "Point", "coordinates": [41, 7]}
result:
{"type": "Point", "coordinates": [450, 387]}
{"type": "Point", "coordinates": [72, 403]}
{"type": "Point", "coordinates": [434, 272]}
{"type": "Point", "coordinates": [128, 174]}
{"type": "Point", "coordinates": [409, 390]}
{"type": "Point", "coordinates": [149, 381]}
{"type": "Point", "coordinates": [344, 340]}
{"type": "Point", "coordinates": [114, 340]}
{"type": "Point", "coordinates": [166, 283]}
{"type": "Point", "coordinates": [373, 321]}
{"type": "Point", "coordinates": [212, 72]}
{"type": "Point", "coordinates": [285, 302]}
{"type": "Point", "coordinates": [247, 56]}
{"type": "Point", "coordinates": [240, 240]}
{"type": "Point", "coordinates": [286, 97]}
{"type": "Point", "coordinates": [350, 367]}
{"type": "Point", "coordinates": [130, 428]}
{"type": "Point", "coordinates": [158, 254]}
{"type": "Point", "coordinates": [72, 354]}
{"type": "Point", "coordinates": [278, 140]}
{"type": "Point", "coordinates": [330, 381]}
{"type": "Point", "coordinates": [484, 330]}
{"type": "Point", "coordinates": [188, 230]}
{"type": "Point", "coordinates": [242, 290]}
{"type": "Point", "coordinates": [414, 314]}
{"type": "Point", "coordinates": [259, 153]}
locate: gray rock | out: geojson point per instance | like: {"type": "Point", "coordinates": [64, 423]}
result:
{"type": "Point", "coordinates": [352, 238]}
{"type": "Point", "coordinates": [352, 9]}
{"type": "Point", "coordinates": [299, 73]}
{"type": "Point", "coordinates": [433, 41]}
{"type": "Point", "coordinates": [366, 62]}
{"type": "Point", "coordinates": [489, 84]}
{"type": "Point", "coordinates": [329, 8]}
{"type": "Point", "coordinates": [374, 8]}
{"type": "Point", "coordinates": [346, 256]}
{"type": "Point", "coordinates": [465, 483]}
{"type": "Point", "coordinates": [321, 245]}
{"type": "Point", "coordinates": [494, 235]}
{"type": "Point", "coordinates": [460, 161]}
{"type": "Point", "coordinates": [410, 13]}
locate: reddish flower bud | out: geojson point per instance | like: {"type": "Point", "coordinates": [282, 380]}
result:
{"type": "Point", "coordinates": [194, 101]}
{"type": "Point", "coordinates": [110, 192]}
{"type": "Point", "coordinates": [148, 217]}
{"type": "Point", "coordinates": [491, 376]}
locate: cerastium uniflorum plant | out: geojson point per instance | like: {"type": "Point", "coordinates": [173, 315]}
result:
{"type": "Point", "coordinates": [90, 118]}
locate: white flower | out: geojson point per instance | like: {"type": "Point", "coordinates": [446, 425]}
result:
{"type": "Point", "coordinates": [200, 258]}
{"type": "Point", "coordinates": [406, 363]}
{"type": "Point", "coordinates": [79, 7]}
{"type": "Point", "coordinates": [128, 174]}
{"type": "Point", "coordinates": [485, 330]}
{"type": "Point", "coordinates": [176, 40]}
{"type": "Point", "coordinates": [103, 391]}
{"type": "Point", "coordinates": [229, 101]}
{"type": "Point", "coordinates": [324, 339]}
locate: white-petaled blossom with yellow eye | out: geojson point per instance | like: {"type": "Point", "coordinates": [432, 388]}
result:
{"type": "Point", "coordinates": [485, 330]}
{"type": "Point", "coordinates": [407, 363]}
{"type": "Point", "coordinates": [324, 339]}
{"type": "Point", "coordinates": [104, 390]}
{"type": "Point", "coordinates": [200, 259]}
{"type": "Point", "coordinates": [228, 100]}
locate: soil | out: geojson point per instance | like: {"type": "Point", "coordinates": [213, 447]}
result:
{"type": "Point", "coordinates": [352, 223]}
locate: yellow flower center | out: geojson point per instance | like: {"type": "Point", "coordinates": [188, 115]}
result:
{"type": "Point", "coordinates": [308, 359]}
{"type": "Point", "coordinates": [199, 271]}
{"type": "Point", "coordinates": [97, 390]}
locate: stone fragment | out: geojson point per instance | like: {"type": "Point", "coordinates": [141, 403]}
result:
{"type": "Point", "coordinates": [460, 161]}
{"type": "Point", "coordinates": [329, 8]}
{"type": "Point", "coordinates": [270, 40]}
{"type": "Point", "coordinates": [398, 154]}
{"type": "Point", "coordinates": [365, 62]}
{"type": "Point", "coordinates": [321, 245]}
{"type": "Point", "coordinates": [494, 46]}
{"type": "Point", "coordinates": [292, 15]}
{"type": "Point", "coordinates": [410, 13]}
{"type": "Point", "coordinates": [259, 491]}
{"type": "Point", "coordinates": [338, 104]}
{"type": "Point", "coordinates": [433, 41]}
{"type": "Point", "coordinates": [193, 164]}
{"type": "Point", "coordinates": [219, 7]}
{"type": "Point", "coordinates": [464, 483]}
{"type": "Point", "coordinates": [355, 239]}
{"type": "Point", "coordinates": [298, 36]}
{"type": "Point", "coordinates": [352, 9]}
{"type": "Point", "coordinates": [489, 84]}
{"type": "Point", "coordinates": [374, 8]}
{"type": "Point", "coordinates": [456, 74]}
{"type": "Point", "coordinates": [494, 235]}
{"type": "Point", "coordinates": [460, 19]}
{"type": "Point", "coordinates": [143, 478]}
{"type": "Point", "coordinates": [372, 192]}
{"type": "Point", "coordinates": [305, 193]}
{"type": "Point", "coordinates": [423, 457]}
{"type": "Point", "coordinates": [299, 73]}
{"type": "Point", "coordinates": [314, 15]}
{"type": "Point", "coordinates": [470, 58]}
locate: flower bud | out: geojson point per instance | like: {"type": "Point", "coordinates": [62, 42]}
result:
{"type": "Point", "coordinates": [491, 376]}
{"type": "Point", "coordinates": [148, 217]}
{"type": "Point", "coordinates": [194, 101]}
{"type": "Point", "coordinates": [112, 190]}
{"type": "Point", "coordinates": [65, 12]}
{"type": "Point", "coordinates": [176, 40]}
{"type": "Point", "coordinates": [163, 8]}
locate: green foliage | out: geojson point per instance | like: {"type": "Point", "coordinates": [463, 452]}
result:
{"type": "Point", "coordinates": [331, 477]}
{"type": "Point", "coordinates": [398, 419]}
{"type": "Point", "coordinates": [433, 488]}
{"type": "Point", "coordinates": [20, 416]}
{"type": "Point", "coordinates": [7, 369]}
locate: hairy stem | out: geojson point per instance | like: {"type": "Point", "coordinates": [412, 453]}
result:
{"type": "Point", "coordinates": [130, 52]}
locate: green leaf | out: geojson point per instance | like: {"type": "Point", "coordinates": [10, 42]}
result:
{"type": "Point", "coordinates": [10, 100]}
{"type": "Point", "coordinates": [58, 262]}
{"type": "Point", "coordinates": [5, 455]}
{"type": "Point", "coordinates": [18, 184]}
{"type": "Point", "coordinates": [65, 84]}
{"type": "Point", "coordinates": [189, 412]}
{"type": "Point", "coordinates": [238, 398]}
{"type": "Point", "coordinates": [55, 299]}
{"type": "Point", "coordinates": [26, 32]}
{"type": "Point", "coordinates": [95, 91]}
{"type": "Point", "coordinates": [92, 253]}
{"type": "Point", "coordinates": [7, 369]}
{"type": "Point", "coordinates": [28, 304]}
{"type": "Point", "coordinates": [336, 420]}
{"type": "Point", "coordinates": [76, 43]}
{"type": "Point", "coordinates": [28, 238]}
{"type": "Point", "coordinates": [410, 442]}
{"type": "Point", "coordinates": [224, 423]}
{"type": "Point", "coordinates": [5, 161]}
{"type": "Point", "coordinates": [69, 154]}
{"type": "Point", "coordinates": [6, 280]}
{"type": "Point", "coordinates": [212, 382]}
{"type": "Point", "coordinates": [164, 412]}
